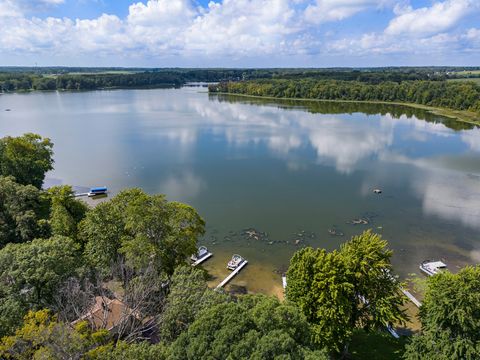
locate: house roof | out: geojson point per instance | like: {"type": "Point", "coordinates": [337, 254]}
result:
{"type": "Point", "coordinates": [106, 313]}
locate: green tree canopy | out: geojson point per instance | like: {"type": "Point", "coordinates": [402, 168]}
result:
{"type": "Point", "coordinates": [23, 212]}
{"type": "Point", "coordinates": [256, 327]}
{"type": "Point", "coordinates": [135, 351]}
{"type": "Point", "coordinates": [30, 274]}
{"type": "Point", "coordinates": [188, 295]}
{"type": "Point", "coordinates": [339, 291]}
{"type": "Point", "coordinates": [27, 158]}
{"type": "Point", "coordinates": [450, 316]}
{"type": "Point", "coordinates": [143, 229]}
{"type": "Point", "coordinates": [65, 211]}
{"type": "Point", "coordinates": [43, 337]}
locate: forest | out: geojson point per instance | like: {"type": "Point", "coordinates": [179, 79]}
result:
{"type": "Point", "coordinates": [61, 78]}
{"type": "Point", "coordinates": [114, 282]}
{"type": "Point", "coordinates": [463, 95]}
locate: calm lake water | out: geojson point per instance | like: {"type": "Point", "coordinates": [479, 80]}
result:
{"type": "Point", "coordinates": [292, 170]}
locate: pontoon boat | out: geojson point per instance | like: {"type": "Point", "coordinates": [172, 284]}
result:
{"type": "Point", "coordinates": [201, 253]}
{"type": "Point", "coordinates": [431, 268]}
{"type": "Point", "coordinates": [236, 261]}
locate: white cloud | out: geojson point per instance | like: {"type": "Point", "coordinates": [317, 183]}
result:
{"type": "Point", "coordinates": [9, 9]}
{"type": "Point", "coordinates": [441, 16]}
{"type": "Point", "coordinates": [333, 10]}
{"type": "Point", "coordinates": [230, 29]}
{"type": "Point", "coordinates": [242, 26]}
{"type": "Point", "coordinates": [158, 13]}
{"type": "Point", "coordinates": [383, 43]}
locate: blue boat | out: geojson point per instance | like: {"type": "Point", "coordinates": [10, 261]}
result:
{"type": "Point", "coordinates": [97, 191]}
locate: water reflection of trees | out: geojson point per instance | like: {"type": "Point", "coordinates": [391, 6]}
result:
{"type": "Point", "coordinates": [337, 107]}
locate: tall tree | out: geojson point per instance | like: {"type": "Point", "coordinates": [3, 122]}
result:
{"type": "Point", "coordinates": [450, 316]}
{"type": "Point", "coordinates": [27, 158]}
{"type": "Point", "coordinates": [255, 327]}
{"type": "Point", "coordinates": [188, 295]}
{"type": "Point", "coordinates": [43, 337]}
{"type": "Point", "coordinates": [342, 290]}
{"type": "Point", "coordinates": [66, 212]}
{"type": "Point", "coordinates": [143, 229]}
{"type": "Point", "coordinates": [23, 212]}
{"type": "Point", "coordinates": [30, 274]}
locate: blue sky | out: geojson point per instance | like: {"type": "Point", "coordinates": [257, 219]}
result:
{"type": "Point", "coordinates": [240, 33]}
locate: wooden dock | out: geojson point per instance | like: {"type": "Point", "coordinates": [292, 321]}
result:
{"type": "Point", "coordinates": [232, 275]}
{"type": "Point", "coordinates": [199, 261]}
{"type": "Point", "coordinates": [411, 298]}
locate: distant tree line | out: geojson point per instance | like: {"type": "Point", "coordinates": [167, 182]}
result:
{"type": "Point", "coordinates": [452, 95]}
{"type": "Point", "coordinates": [13, 81]}
{"type": "Point", "coordinates": [60, 78]}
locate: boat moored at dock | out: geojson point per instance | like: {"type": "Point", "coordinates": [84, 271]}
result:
{"type": "Point", "coordinates": [236, 261]}
{"type": "Point", "coordinates": [97, 191]}
{"type": "Point", "coordinates": [201, 255]}
{"type": "Point", "coordinates": [432, 267]}
{"type": "Point", "coordinates": [236, 264]}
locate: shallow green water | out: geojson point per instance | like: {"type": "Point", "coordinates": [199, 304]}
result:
{"type": "Point", "coordinates": [284, 168]}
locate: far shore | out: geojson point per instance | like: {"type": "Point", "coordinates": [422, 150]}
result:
{"type": "Point", "coordinates": [459, 115]}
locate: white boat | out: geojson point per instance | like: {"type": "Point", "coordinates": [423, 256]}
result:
{"type": "Point", "coordinates": [236, 261]}
{"type": "Point", "coordinates": [201, 253]}
{"type": "Point", "coordinates": [431, 268]}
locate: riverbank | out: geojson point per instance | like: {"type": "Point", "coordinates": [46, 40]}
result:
{"type": "Point", "coordinates": [458, 115]}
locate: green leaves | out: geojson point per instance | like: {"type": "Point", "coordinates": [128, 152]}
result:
{"type": "Point", "coordinates": [450, 317]}
{"type": "Point", "coordinates": [23, 212]}
{"type": "Point", "coordinates": [141, 228]}
{"type": "Point", "coordinates": [256, 327]}
{"type": "Point", "coordinates": [446, 94]}
{"type": "Point", "coordinates": [331, 288]}
{"type": "Point", "coordinates": [65, 211]}
{"type": "Point", "coordinates": [30, 274]}
{"type": "Point", "coordinates": [27, 158]}
{"type": "Point", "coordinates": [188, 295]}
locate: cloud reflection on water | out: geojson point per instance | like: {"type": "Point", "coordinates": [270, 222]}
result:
{"type": "Point", "coordinates": [344, 141]}
{"type": "Point", "coordinates": [347, 142]}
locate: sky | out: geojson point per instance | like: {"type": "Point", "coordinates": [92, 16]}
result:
{"type": "Point", "coordinates": [239, 33]}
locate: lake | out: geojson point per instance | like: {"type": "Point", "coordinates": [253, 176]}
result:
{"type": "Point", "coordinates": [289, 170]}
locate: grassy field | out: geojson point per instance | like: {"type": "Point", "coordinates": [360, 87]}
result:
{"type": "Point", "coordinates": [376, 346]}
{"type": "Point", "coordinates": [466, 73]}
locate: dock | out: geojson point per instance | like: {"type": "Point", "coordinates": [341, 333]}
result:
{"type": "Point", "coordinates": [202, 259]}
{"type": "Point", "coordinates": [412, 298]}
{"type": "Point", "coordinates": [232, 275]}
{"type": "Point", "coordinates": [80, 194]}
{"type": "Point", "coordinates": [392, 331]}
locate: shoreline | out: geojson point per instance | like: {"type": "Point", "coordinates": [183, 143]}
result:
{"type": "Point", "coordinates": [458, 115]}
{"type": "Point", "coordinates": [463, 116]}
